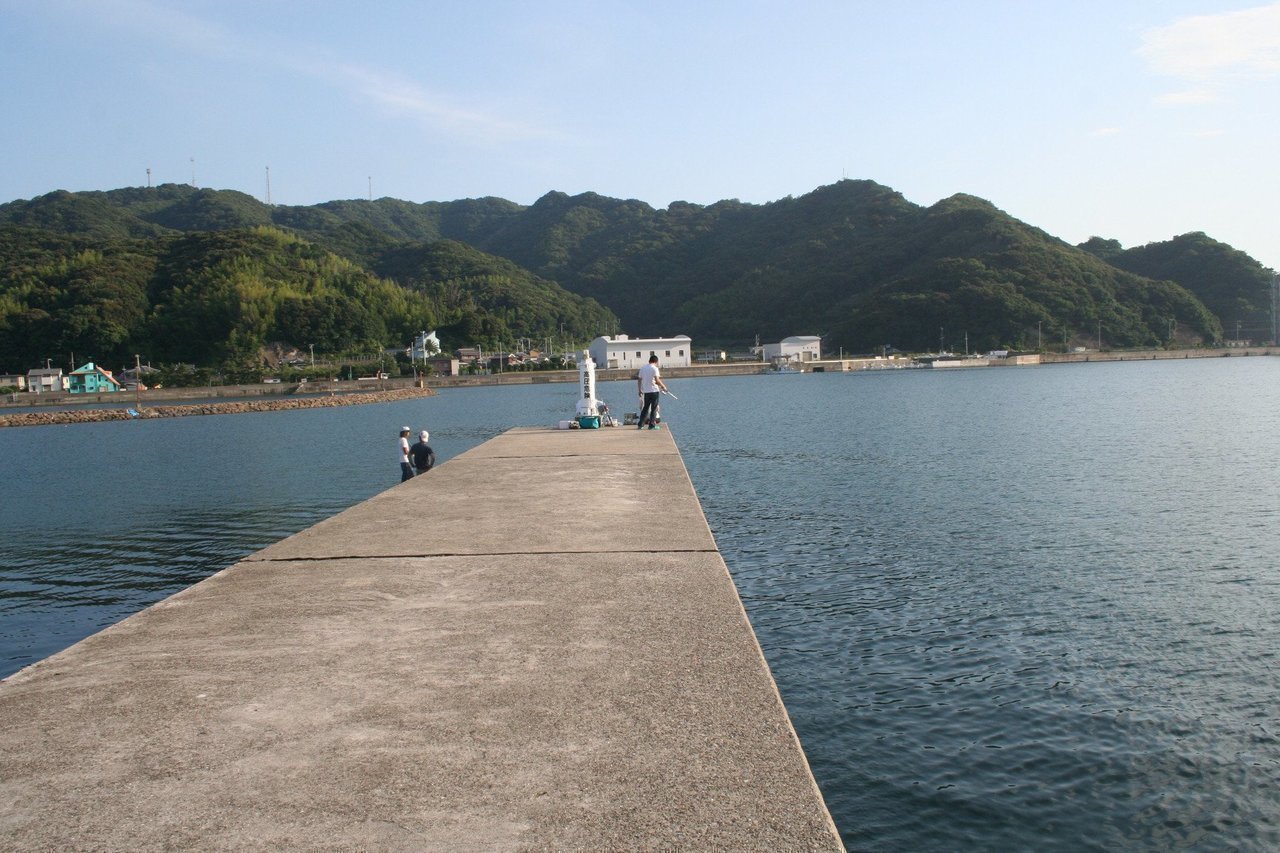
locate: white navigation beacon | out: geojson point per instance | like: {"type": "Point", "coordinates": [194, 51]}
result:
{"type": "Point", "coordinates": [588, 405]}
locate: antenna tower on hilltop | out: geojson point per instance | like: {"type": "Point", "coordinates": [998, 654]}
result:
{"type": "Point", "coordinates": [268, 186]}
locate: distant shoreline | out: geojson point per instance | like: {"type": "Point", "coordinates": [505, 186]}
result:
{"type": "Point", "coordinates": [344, 394]}
{"type": "Point", "coordinates": [81, 416]}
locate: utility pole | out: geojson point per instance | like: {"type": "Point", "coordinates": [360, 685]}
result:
{"type": "Point", "coordinates": [137, 381]}
{"type": "Point", "coordinates": [1275, 297]}
{"type": "Point", "coordinates": [1039, 336]}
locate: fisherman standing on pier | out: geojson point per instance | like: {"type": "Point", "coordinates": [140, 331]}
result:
{"type": "Point", "coordinates": [651, 385]}
{"type": "Point", "coordinates": [424, 458]}
{"type": "Point", "coordinates": [406, 469]}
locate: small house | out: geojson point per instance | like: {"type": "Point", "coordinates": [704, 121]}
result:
{"type": "Point", "coordinates": [424, 345]}
{"type": "Point", "coordinates": [46, 380]}
{"type": "Point", "coordinates": [443, 366]}
{"type": "Point", "coordinates": [136, 378]}
{"type": "Point", "coordinates": [13, 380]}
{"type": "Point", "coordinates": [504, 361]}
{"type": "Point", "coordinates": [91, 379]}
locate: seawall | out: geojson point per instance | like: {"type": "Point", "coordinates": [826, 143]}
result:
{"type": "Point", "coordinates": [84, 416]}
{"type": "Point", "coordinates": [535, 646]}
{"type": "Point", "coordinates": [1155, 355]}
{"type": "Point", "coordinates": [154, 396]}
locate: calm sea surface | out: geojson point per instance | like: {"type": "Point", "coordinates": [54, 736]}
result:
{"type": "Point", "coordinates": [1033, 608]}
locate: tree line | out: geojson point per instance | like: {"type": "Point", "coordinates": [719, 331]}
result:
{"type": "Point", "coordinates": [215, 299]}
{"type": "Point", "coordinates": [854, 262]}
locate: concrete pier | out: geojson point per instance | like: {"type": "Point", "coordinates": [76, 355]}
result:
{"type": "Point", "coordinates": [537, 646]}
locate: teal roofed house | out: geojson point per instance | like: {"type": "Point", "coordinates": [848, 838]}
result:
{"type": "Point", "coordinates": [92, 379]}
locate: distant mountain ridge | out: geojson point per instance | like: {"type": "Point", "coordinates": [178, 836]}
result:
{"type": "Point", "coordinates": [853, 261]}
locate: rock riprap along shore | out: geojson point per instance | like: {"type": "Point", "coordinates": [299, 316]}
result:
{"type": "Point", "coordinates": [84, 416]}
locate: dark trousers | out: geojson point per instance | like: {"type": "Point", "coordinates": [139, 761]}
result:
{"type": "Point", "coordinates": [406, 471]}
{"type": "Point", "coordinates": [649, 411]}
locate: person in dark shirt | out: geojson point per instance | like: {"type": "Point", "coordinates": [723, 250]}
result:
{"type": "Point", "coordinates": [421, 453]}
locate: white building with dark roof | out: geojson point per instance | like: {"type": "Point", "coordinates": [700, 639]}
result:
{"type": "Point", "coordinates": [45, 380]}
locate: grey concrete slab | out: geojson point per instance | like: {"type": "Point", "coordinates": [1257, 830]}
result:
{"type": "Point", "coordinates": [497, 701]}
{"type": "Point", "coordinates": [526, 491]}
{"type": "Point", "coordinates": [608, 441]}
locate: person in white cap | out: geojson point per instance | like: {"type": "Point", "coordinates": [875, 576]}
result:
{"type": "Point", "coordinates": [421, 453]}
{"type": "Point", "coordinates": [406, 470]}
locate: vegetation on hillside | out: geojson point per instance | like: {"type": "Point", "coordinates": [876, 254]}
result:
{"type": "Point", "coordinates": [216, 298]}
{"type": "Point", "coordinates": [854, 262]}
{"type": "Point", "coordinates": [1232, 285]}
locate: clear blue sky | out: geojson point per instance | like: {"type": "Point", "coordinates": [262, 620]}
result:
{"type": "Point", "coordinates": [1132, 119]}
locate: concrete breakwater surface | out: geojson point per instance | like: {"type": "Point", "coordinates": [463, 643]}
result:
{"type": "Point", "coordinates": [1007, 609]}
{"type": "Point", "coordinates": [85, 416]}
{"type": "Point", "coordinates": [493, 678]}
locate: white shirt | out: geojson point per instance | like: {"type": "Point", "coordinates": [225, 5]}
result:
{"type": "Point", "coordinates": [649, 379]}
{"type": "Point", "coordinates": [404, 449]}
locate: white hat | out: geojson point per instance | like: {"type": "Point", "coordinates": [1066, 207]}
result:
{"type": "Point", "coordinates": [404, 429]}
{"type": "Point", "coordinates": [424, 435]}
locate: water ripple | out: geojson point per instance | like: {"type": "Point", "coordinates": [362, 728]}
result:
{"type": "Point", "coordinates": [1006, 609]}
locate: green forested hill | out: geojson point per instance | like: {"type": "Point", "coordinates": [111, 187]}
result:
{"type": "Point", "coordinates": [215, 298]}
{"type": "Point", "coordinates": [484, 299]}
{"type": "Point", "coordinates": [853, 261]}
{"type": "Point", "coordinates": [1232, 285]}
{"type": "Point", "coordinates": [964, 268]}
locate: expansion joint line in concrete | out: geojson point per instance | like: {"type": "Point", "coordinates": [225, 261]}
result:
{"type": "Point", "coordinates": [578, 455]}
{"type": "Point", "coordinates": [526, 553]}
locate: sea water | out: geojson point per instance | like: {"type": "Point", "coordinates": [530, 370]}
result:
{"type": "Point", "coordinates": [1022, 608]}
